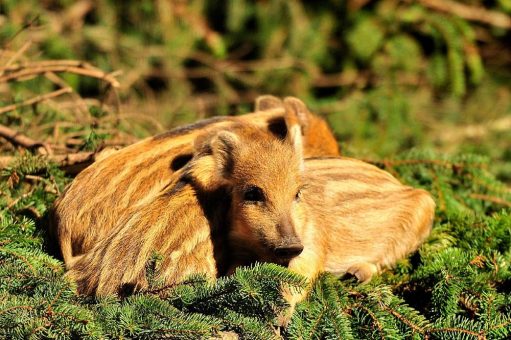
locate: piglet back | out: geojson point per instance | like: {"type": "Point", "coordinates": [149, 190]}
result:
{"type": "Point", "coordinates": [363, 214]}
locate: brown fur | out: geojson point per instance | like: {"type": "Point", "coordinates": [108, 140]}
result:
{"type": "Point", "coordinates": [182, 220]}
{"type": "Point", "coordinates": [346, 215]}
{"type": "Point", "coordinates": [350, 217]}
{"type": "Point", "coordinates": [356, 218]}
{"type": "Point", "coordinates": [105, 192]}
{"type": "Point", "coordinates": [172, 223]}
{"type": "Point", "coordinates": [318, 138]}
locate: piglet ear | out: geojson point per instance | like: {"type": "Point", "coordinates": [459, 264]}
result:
{"type": "Point", "coordinates": [296, 110]}
{"type": "Point", "coordinates": [296, 139]}
{"type": "Point", "coordinates": [267, 102]}
{"type": "Point", "coordinates": [296, 118]}
{"type": "Point", "coordinates": [224, 147]}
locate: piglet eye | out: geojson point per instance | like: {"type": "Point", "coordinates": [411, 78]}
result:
{"type": "Point", "coordinates": [298, 195]}
{"type": "Point", "coordinates": [253, 194]}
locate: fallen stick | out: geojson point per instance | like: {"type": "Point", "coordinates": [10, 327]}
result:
{"type": "Point", "coordinates": [492, 199]}
{"type": "Point", "coordinates": [35, 100]}
{"type": "Point", "coordinates": [32, 69]}
{"type": "Point", "coordinates": [18, 139]}
{"type": "Point", "coordinates": [46, 63]}
{"type": "Point", "coordinates": [473, 13]}
{"type": "Point", "coordinates": [17, 54]}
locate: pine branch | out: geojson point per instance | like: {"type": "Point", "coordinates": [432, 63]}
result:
{"type": "Point", "coordinates": [478, 335]}
{"type": "Point", "coordinates": [56, 297]}
{"type": "Point", "coordinates": [373, 317]}
{"type": "Point", "coordinates": [160, 290]}
{"type": "Point", "coordinates": [404, 320]}
{"type": "Point", "coordinates": [21, 257]}
{"type": "Point", "coordinates": [501, 325]}
{"type": "Point", "coordinates": [15, 307]}
{"type": "Point", "coordinates": [317, 322]}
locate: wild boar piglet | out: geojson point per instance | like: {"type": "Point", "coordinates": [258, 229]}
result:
{"type": "Point", "coordinates": [187, 222]}
{"type": "Point", "coordinates": [105, 192]}
{"type": "Point", "coordinates": [351, 217]}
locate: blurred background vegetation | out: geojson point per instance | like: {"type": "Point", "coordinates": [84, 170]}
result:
{"type": "Point", "coordinates": [416, 87]}
{"type": "Point", "coordinates": [388, 75]}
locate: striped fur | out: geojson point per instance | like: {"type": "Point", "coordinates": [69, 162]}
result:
{"type": "Point", "coordinates": [175, 223]}
{"type": "Point", "coordinates": [352, 217]}
{"type": "Point", "coordinates": [104, 193]}
{"type": "Point", "coordinates": [187, 220]}
{"type": "Point", "coordinates": [360, 219]}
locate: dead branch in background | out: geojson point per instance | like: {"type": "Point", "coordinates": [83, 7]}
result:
{"type": "Point", "coordinates": [18, 54]}
{"type": "Point", "coordinates": [13, 70]}
{"type": "Point", "coordinates": [491, 199]}
{"type": "Point", "coordinates": [35, 100]}
{"type": "Point", "coordinates": [27, 70]}
{"type": "Point", "coordinates": [18, 139]}
{"type": "Point", "coordinates": [472, 13]}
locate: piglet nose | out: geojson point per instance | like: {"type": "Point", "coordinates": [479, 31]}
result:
{"type": "Point", "coordinates": [289, 251]}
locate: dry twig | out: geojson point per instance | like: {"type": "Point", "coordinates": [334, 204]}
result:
{"type": "Point", "coordinates": [473, 13]}
{"type": "Point", "coordinates": [18, 139]}
{"type": "Point", "coordinates": [27, 70]}
{"type": "Point", "coordinates": [491, 199]}
{"type": "Point", "coordinates": [35, 100]}
{"type": "Point", "coordinates": [18, 54]}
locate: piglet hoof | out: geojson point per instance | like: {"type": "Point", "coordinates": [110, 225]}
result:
{"type": "Point", "coordinates": [363, 271]}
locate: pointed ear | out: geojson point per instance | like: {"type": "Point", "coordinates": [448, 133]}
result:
{"type": "Point", "coordinates": [224, 147]}
{"type": "Point", "coordinates": [298, 111]}
{"type": "Point", "coordinates": [295, 137]}
{"type": "Point", "coordinates": [267, 102]}
{"type": "Point", "coordinates": [202, 143]}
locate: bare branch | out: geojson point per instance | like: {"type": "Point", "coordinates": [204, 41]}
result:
{"type": "Point", "coordinates": [473, 13]}
{"type": "Point", "coordinates": [18, 139]}
{"type": "Point", "coordinates": [27, 70]}
{"type": "Point", "coordinates": [18, 54]}
{"type": "Point", "coordinates": [492, 199]}
{"type": "Point", "coordinates": [35, 100]}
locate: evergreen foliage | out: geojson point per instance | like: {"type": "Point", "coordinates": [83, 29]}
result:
{"type": "Point", "coordinates": [456, 286]}
{"type": "Point", "coordinates": [420, 92]}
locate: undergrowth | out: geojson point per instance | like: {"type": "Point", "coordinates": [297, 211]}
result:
{"type": "Point", "coordinates": [455, 286]}
{"type": "Point", "coordinates": [419, 91]}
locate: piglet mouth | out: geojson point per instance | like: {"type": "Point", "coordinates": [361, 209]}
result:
{"type": "Point", "coordinates": [282, 262]}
